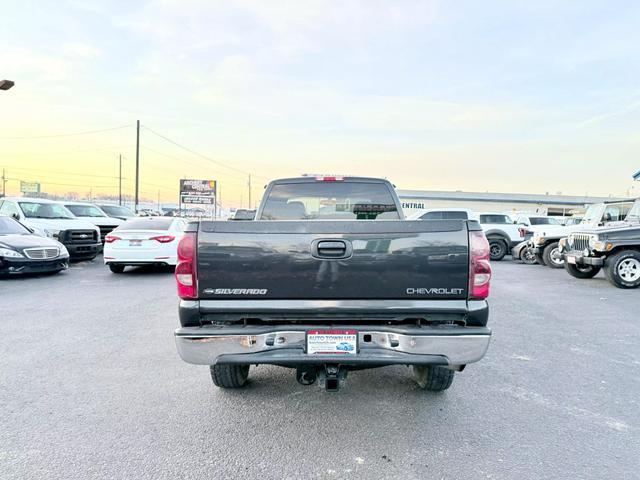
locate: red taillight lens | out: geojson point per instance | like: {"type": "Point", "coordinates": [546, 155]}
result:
{"type": "Point", "coordinates": [479, 266]}
{"type": "Point", "coordinates": [111, 239]}
{"type": "Point", "coordinates": [186, 267]}
{"type": "Point", "coordinates": [333, 178]}
{"type": "Point", "coordinates": [163, 238]}
{"type": "Point", "coordinates": [522, 232]}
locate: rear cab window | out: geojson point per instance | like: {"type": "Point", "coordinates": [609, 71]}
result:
{"type": "Point", "coordinates": [85, 210]}
{"type": "Point", "coordinates": [495, 219]}
{"type": "Point", "coordinates": [147, 223]}
{"type": "Point", "coordinates": [544, 221]}
{"type": "Point", "coordinates": [340, 200]}
{"type": "Point", "coordinates": [445, 215]}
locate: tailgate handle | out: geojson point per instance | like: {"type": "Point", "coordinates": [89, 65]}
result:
{"type": "Point", "coordinates": [331, 249]}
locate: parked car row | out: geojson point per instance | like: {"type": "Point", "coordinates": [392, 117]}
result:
{"type": "Point", "coordinates": [137, 241]}
{"type": "Point", "coordinates": [52, 219]}
{"type": "Point", "coordinates": [607, 238]}
{"type": "Point", "coordinates": [40, 235]}
{"type": "Point", "coordinates": [504, 233]}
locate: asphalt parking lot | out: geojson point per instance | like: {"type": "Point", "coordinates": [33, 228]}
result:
{"type": "Point", "coordinates": [91, 386]}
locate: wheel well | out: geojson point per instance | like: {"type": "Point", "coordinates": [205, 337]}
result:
{"type": "Point", "coordinates": [620, 248]}
{"type": "Point", "coordinates": [498, 237]}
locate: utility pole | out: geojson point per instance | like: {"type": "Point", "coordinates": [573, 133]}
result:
{"type": "Point", "coordinates": [159, 201]}
{"type": "Point", "coordinates": [137, 162]}
{"type": "Point", "coordinates": [249, 191]}
{"type": "Point", "coordinates": [120, 183]}
{"type": "Point", "coordinates": [4, 182]}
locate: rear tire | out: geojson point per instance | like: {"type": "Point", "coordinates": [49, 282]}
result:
{"type": "Point", "coordinates": [433, 377]}
{"type": "Point", "coordinates": [552, 256]}
{"type": "Point", "coordinates": [229, 376]}
{"type": "Point", "coordinates": [497, 249]}
{"type": "Point", "coordinates": [527, 256]}
{"type": "Point", "coordinates": [584, 271]}
{"type": "Point", "coordinates": [115, 268]}
{"type": "Point", "coordinates": [623, 269]}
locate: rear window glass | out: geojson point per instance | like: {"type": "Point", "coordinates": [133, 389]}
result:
{"type": "Point", "coordinates": [117, 210]}
{"type": "Point", "coordinates": [330, 201]}
{"type": "Point", "coordinates": [544, 221]}
{"type": "Point", "coordinates": [444, 215]}
{"type": "Point", "coordinates": [85, 210]}
{"type": "Point", "coordinates": [500, 219]}
{"type": "Point", "coordinates": [147, 223]}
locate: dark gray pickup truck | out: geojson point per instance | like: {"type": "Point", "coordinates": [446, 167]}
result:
{"type": "Point", "coordinates": [330, 278]}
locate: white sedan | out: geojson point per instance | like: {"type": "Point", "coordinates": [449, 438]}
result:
{"type": "Point", "coordinates": [144, 241]}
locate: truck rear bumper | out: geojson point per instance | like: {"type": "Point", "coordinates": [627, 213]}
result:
{"type": "Point", "coordinates": [378, 345]}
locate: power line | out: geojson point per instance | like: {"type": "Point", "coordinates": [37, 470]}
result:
{"type": "Point", "coordinates": [236, 182]}
{"type": "Point", "coordinates": [102, 151]}
{"type": "Point", "coordinates": [86, 132]}
{"type": "Point", "coordinates": [68, 184]}
{"type": "Point", "coordinates": [57, 173]}
{"type": "Point", "coordinates": [193, 152]}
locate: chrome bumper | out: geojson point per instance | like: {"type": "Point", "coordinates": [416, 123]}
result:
{"type": "Point", "coordinates": [380, 345]}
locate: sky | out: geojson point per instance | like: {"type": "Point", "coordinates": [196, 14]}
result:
{"type": "Point", "coordinates": [505, 96]}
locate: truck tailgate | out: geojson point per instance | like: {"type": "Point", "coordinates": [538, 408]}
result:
{"type": "Point", "coordinates": [333, 260]}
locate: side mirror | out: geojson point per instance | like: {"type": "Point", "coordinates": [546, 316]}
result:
{"type": "Point", "coordinates": [15, 216]}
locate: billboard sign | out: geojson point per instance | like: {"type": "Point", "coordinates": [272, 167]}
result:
{"type": "Point", "coordinates": [198, 192]}
{"type": "Point", "coordinates": [29, 187]}
{"type": "Point", "coordinates": [197, 200]}
{"type": "Point", "coordinates": [201, 188]}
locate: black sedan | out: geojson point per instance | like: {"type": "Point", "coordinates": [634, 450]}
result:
{"type": "Point", "coordinates": [23, 252]}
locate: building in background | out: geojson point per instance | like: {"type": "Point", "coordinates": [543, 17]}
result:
{"type": "Point", "coordinates": [414, 200]}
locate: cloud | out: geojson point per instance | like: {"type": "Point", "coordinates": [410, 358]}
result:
{"type": "Point", "coordinates": [26, 63]}
{"type": "Point", "coordinates": [78, 50]}
{"type": "Point", "coordinates": [630, 108]}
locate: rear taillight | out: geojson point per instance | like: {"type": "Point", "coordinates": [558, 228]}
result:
{"type": "Point", "coordinates": [163, 238]}
{"type": "Point", "coordinates": [522, 232]}
{"type": "Point", "coordinates": [186, 267]}
{"type": "Point", "coordinates": [479, 266]}
{"type": "Point", "coordinates": [111, 239]}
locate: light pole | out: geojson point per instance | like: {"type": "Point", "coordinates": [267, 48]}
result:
{"type": "Point", "coordinates": [6, 84]}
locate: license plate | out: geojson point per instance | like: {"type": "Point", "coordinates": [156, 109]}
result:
{"type": "Point", "coordinates": [571, 259]}
{"type": "Point", "coordinates": [135, 243]}
{"type": "Point", "coordinates": [332, 342]}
